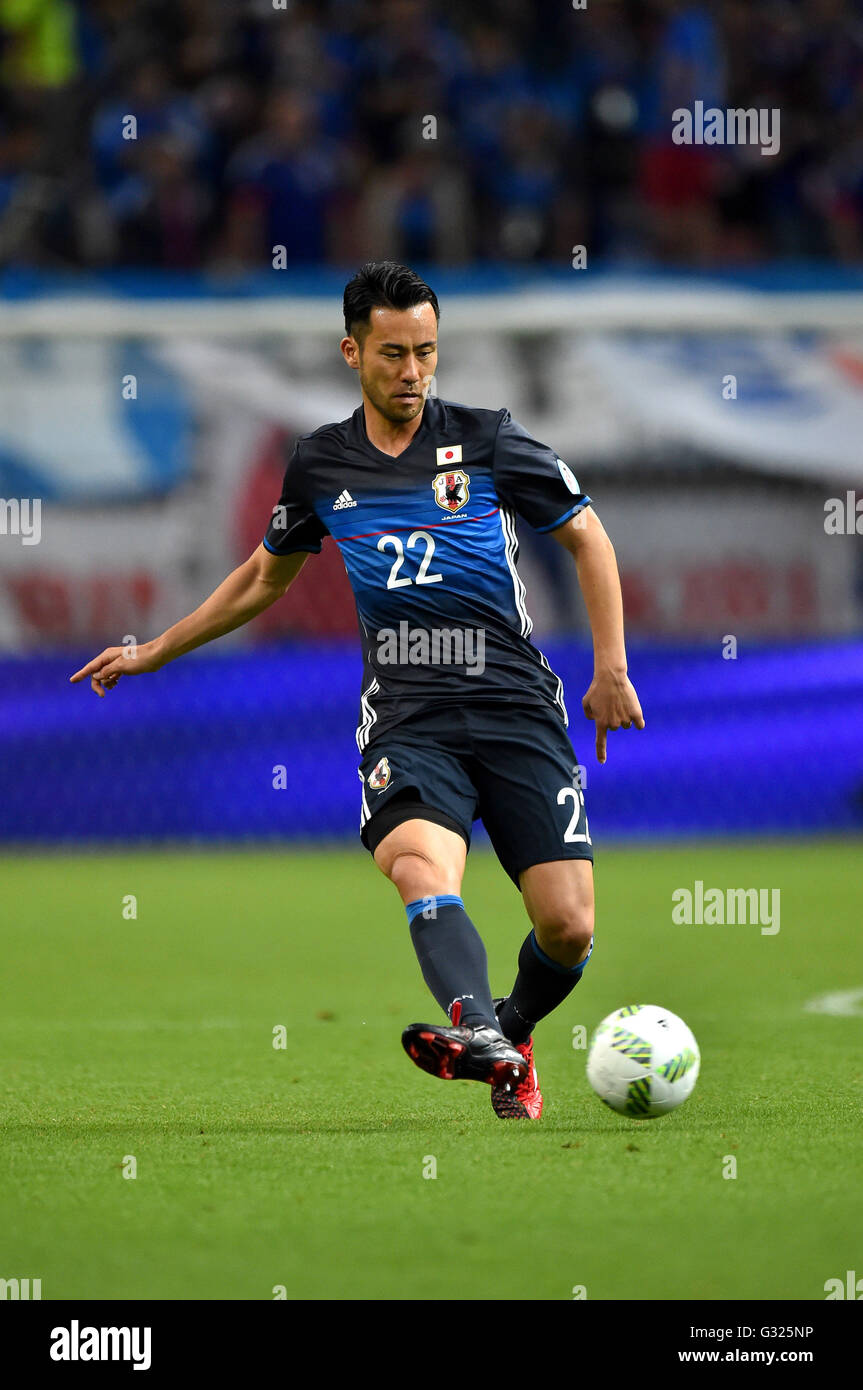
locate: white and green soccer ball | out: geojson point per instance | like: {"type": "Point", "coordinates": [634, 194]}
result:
{"type": "Point", "coordinates": [643, 1061]}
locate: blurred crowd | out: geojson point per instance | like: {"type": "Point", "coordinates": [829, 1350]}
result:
{"type": "Point", "coordinates": [448, 133]}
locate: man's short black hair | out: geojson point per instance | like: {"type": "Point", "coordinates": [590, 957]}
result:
{"type": "Point", "coordinates": [384, 285]}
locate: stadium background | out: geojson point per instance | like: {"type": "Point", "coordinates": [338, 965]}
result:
{"type": "Point", "coordinates": [170, 321]}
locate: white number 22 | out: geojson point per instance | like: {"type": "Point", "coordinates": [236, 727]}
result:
{"type": "Point", "coordinates": [423, 576]}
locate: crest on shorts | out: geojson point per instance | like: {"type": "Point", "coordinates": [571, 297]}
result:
{"type": "Point", "coordinates": [380, 775]}
{"type": "Point", "coordinates": [452, 490]}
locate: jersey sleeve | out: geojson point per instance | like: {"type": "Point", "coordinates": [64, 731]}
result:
{"type": "Point", "coordinates": [530, 477]}
{"type": "Point", "coordinates": [294, 524]}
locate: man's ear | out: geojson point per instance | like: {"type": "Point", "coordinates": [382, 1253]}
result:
{"type": "Point", "coordinates": [351, 351]}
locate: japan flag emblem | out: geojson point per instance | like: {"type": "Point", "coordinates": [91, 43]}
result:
{"type": "Point", "coordinates": [448, 455]}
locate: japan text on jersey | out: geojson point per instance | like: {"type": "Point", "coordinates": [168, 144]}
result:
{"type": "Point", "coordinates": [429, 544]}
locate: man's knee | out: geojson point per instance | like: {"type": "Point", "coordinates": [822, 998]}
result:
{"type": "Point", "coordinates": [564, 926]}
{"type": "Point", "coordinates": [560, 903]}
{"type": "Point", "coordinates": [422, 864]}
{"type": "Point", "coordinates": [417, 875]}
{"type": "Point", "coordinates": [567, 930]}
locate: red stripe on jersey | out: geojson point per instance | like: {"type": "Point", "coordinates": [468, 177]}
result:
{"type": "Point", "coordinates": [453, 521]}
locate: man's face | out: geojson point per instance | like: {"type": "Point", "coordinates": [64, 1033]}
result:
{"type": "Point", "coordinates": [396, 357]}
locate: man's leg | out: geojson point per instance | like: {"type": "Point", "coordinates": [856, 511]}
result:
{"type": "Point", "coordinates": [529, 796]}
{"type": "Point", "coordinates": [559, 901]}
{"type": "Point", "coordinates": [426, 863]}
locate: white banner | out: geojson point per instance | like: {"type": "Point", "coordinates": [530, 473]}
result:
{"type": "Point", "coordinates": [156, 466]}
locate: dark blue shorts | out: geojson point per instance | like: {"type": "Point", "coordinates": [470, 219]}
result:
{"type": "Point", "coordinates": [511, 766]}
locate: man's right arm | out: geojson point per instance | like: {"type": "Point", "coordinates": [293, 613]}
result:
{"type": "Point", "coordinates": [246, 592]}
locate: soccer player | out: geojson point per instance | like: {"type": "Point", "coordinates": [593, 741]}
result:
{"type": "Point", "coordinates": [461, 716]}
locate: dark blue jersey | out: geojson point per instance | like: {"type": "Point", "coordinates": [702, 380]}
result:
{"type": "Point", "coordinates": [429, 544]}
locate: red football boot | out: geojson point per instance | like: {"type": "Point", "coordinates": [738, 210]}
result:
{"type": "Point", "coordinates": [469, 1054]}
{"type": "Point", "coordinates": [524, 1100]}
{"type": "Point", "coordinates": [459, 1053]}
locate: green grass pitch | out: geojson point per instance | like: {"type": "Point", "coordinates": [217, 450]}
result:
{"type": "Point", "coordinates": [303, 1167]}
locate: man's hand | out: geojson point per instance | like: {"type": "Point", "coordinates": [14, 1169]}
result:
{"type": "Point", "coordinates": [246, 592]}
{"type": "Point", "coordinates": [612, 702]}
{"type": "Point", "coordinates": [107, 668]}
{"type": "Point", "coordinates": [611, 699]}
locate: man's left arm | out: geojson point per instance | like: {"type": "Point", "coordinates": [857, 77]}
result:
{"type": "Point", "coordinates": [611, 700]}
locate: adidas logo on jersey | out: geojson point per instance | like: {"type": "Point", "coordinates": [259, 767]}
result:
{"type": "Point", "coordinates": [342, 501]}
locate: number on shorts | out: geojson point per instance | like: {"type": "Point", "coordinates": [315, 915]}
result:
{"type": "Point", "coordinates": [572, 836]}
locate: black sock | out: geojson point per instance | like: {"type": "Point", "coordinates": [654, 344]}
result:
{"type": "Point", "coordinates": [541, 984]}
{"type": "Point", "coordinates": [452, 957]}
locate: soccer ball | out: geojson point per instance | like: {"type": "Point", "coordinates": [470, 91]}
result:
{"type": "Point", "coordinates": [643, 1061]}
